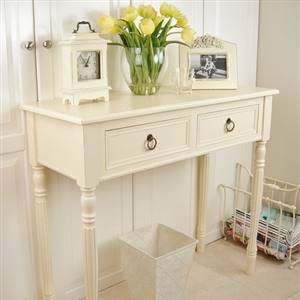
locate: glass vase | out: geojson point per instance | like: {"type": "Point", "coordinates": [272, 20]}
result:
{"type": "Point", "coordinates": [143, 69]}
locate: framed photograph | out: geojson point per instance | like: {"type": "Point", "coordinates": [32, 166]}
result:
{"type": "Point", "coordinates": [213, 63]}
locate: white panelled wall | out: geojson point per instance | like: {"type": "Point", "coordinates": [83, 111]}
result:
{"type": "Point", "coordinates": [166, 194]}
{"type": "Point", "coordinates": [235, 21]}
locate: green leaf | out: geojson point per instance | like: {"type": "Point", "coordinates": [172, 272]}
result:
{"type": "Point", "coordinates": [163, 35]}
{"type": "Point", "coordinates": [130, 40]}
{"type": "Point", "coordinates": [157, 29]}
{"type": "Point", "coordinates": [174, 32]}
{"type": "Point", "coordinates": [151, 58]}
{"type": "Point", "coordinates": [155, 33]}
{"type": "Point", "coordinates": [135, 29]}
{"type": "Point", "coordinates": [128, 23]}
{"type": "Point", "coordinates": [124, 39]}
{"type": "Point", "coordinates": [145, 54]}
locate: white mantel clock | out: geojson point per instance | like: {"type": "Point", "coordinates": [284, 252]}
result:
{"type": "Point", "coordinates": [84, 67]}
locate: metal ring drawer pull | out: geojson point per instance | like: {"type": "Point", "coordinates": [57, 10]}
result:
{"type": "Point", "coordinates": [151, 142]}
{"type": "Point", "coordinates": [230, 125]}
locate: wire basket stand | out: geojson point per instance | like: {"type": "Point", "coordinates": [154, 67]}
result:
{"type": "Point", "coordinates": [279, 224]}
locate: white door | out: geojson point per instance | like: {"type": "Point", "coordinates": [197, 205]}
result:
{"type": "Point", "coordinates": [54, 21]}
{"type": "Point", "coordinates": [18, 80]}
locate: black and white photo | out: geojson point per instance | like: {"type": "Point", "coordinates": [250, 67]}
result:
{"type": "Point", "coordinates": [213, 63]}
{"type": "Point", "coordinates": [209, 66]}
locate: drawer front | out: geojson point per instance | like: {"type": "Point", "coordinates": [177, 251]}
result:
{"type": "Point", "coordinates": [228, 125]}
{"type": "Point", "coordinates": [143, 142]}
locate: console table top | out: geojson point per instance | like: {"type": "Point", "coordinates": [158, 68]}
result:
{"type": "Point", "coordinates": [123, 104]}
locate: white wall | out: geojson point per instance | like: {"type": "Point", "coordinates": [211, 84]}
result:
{"type": "Point", "coordinates": [279, 67]}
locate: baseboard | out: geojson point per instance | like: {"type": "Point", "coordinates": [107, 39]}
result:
{"type": "Point", "coordinates": [213, 235]}
{"type": "Point", "coordinates": [104, 282]}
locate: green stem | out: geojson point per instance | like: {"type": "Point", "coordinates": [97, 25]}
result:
{"type": "Point", "coordinates": [176, 32]}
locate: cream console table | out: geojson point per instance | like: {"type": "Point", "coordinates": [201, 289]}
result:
{"type": "Point", "coordinates": [99, 141]}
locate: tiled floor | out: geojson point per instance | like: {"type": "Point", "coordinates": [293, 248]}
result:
{"type": "Point", "coordinates": [218, 274]}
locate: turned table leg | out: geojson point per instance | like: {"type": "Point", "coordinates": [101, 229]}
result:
{"type": "Point", "coordinates": [256, 198]}
{"type": "Point", "coordinates": [41, 219]}
{"type": "Point", "coordinates": [90, 262]}
{"type": "Point", "coordinates": [202, 195]}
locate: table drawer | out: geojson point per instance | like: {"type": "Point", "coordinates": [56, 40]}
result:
{"type": "Point", "coordinates": [228, 125]}
{"type": "Point", "coordinates": [143, 142]}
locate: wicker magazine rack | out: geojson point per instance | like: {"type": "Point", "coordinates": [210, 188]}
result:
{"type": "Point", "coordinates": [279, 224]}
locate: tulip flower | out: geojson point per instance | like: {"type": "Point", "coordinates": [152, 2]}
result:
{"type": "Point", "coordinates": [187, 35]}
{"type": "Point", "coordinates": [182, 21]}
{"type": "Point", "coordinates": [130, 13]}
{"type": "Point", "coordinates": [109, 25]}
{"type": "Point", "coordinates": [169, 10]}
{"type": "Point", "coordinates": [147, 11]}
{"type": "Point", "coordinates": [106, 22]}
{"type": "Point", "coordinates": [147, 26]}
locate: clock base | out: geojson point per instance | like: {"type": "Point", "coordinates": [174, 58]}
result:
{"type": "Point", "coordinates": [77, 97]}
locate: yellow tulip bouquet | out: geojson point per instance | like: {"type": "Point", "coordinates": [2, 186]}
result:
{"type": "Point", "coordinates": [144, 34]}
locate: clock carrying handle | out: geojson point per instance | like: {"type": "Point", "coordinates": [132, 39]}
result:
{"type": "Point", "coordinates": [83, 23]}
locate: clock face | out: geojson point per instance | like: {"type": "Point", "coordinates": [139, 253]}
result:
{"type": "Point", "coordinates": [88, 65]}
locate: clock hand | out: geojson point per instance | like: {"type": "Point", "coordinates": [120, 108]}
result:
{"type": "Point", "coordinates": [82, 59]}
{"type": "Point", "coordinates": [87, 62]}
